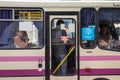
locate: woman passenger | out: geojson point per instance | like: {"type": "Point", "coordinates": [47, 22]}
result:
{"type": "Point", "coordinates": [104, 37]}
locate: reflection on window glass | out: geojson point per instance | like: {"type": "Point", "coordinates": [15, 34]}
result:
{"type": "Point", "coordinates": [88, 28]}
{"type": "Point", "coordinates": [109, 29]}
{"type": "Point", "coordinates": [21, 34]}
{"type": "Point", "coordinates": [63, 39]}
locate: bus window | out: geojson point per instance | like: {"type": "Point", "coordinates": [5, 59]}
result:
{"type": "Point", "coordinates": [63, 39]}
{"type": "Point", "coordinates": [21, 28]}
{"type": "Point", "coordinates": [88, 28]}
{"type": "Point", "coordinates": [109, 29]}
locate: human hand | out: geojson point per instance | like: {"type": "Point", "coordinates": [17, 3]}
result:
{"type": "Point", "coordinates": [27, 40]}
{"type": "Point", "coordinates": [65, 41]}
{"type": "Point", "coordinates": [102, 43]}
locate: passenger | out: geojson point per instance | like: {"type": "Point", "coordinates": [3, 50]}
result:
{"type": "Point", "coordinates": [20, 41]}
{"type": "Point", "coordinates": [59, 50]}
{"type": "Point", "coordinates": [66, 29]}
{"type": "Point", "coordinates": [71, 58]}
{"type": "Point", "coordinates": [69, 34]}
{"type": "Point", "coordinates": [104, 37]}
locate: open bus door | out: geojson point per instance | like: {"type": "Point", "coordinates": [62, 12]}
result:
{"type": "Point", "coordinates": [61, 46]}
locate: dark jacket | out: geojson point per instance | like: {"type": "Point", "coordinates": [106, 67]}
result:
{"type": "Point", "coordinates": [58, 47]}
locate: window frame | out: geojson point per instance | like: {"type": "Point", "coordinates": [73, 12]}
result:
{"type": "Point", "coordinates": [74, 44]}
{"type": "Point", "coordinates": [95, 31]}
{"type": "Point", "coordinates": [13, 19]}
{"type": "Point", "coordinates": [99, 26]}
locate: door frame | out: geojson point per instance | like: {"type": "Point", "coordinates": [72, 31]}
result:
{"type": "Point", "coordinates": [47, 39]}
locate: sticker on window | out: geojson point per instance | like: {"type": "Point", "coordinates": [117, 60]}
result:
{"type": "Point", "coordinates": [88, 33]}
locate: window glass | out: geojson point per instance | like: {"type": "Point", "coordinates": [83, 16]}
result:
{"type": "Point", "coordinates": [63, 41]}
{"type": "Point", "coordinates": [88, 28]}
{"type": "Point", "coordinates": [24, 31]}
{"type": "Point", "coordinates": [109, 29]}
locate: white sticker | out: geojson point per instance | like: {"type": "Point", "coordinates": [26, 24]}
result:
{"type": "Point", "coordinates": [25, 26]}
{"type": "Point", "coordinates": [62, 26]}
{"type": "Point", "coordinates": [71, 27]}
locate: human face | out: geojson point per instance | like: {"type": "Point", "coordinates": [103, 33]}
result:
{"type": "Point", "coordinates": [20, 33]}
{"type": "Point", "coordinates": [104, 30]}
